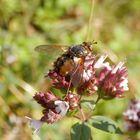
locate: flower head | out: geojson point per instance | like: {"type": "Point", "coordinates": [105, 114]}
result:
{"type": "Point", "coordinates": [113, 82]}
{"type": "Point", "coordinates": [45, 98]}
{"type": "Point", "coordinates": [73, 100]}
{"type": "Point", "coordinates": [84, 78]}
{"type": "Point", "coordinates": [54, 108]}
{"type": "Point", "coordinates": [55, 111]}
{"type": "Point", "coordinates": [59, 81]}
{"type": "Point", "coordinates": [132, 116]}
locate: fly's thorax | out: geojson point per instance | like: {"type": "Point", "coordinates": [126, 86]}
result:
{"type": "Point", "coordinates": [81, 50]}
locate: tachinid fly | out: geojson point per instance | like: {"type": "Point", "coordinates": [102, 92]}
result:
{"type": "Point", "coordinates": [71, 59]}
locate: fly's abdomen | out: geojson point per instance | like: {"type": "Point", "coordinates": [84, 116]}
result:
{"type": "Point", "coordinates": [64, 64]}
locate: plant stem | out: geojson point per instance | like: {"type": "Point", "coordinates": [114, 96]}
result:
{"type": "Point", "coordinates": [90, 21]}
{"type": "Point", "coordinates": [82, 113]}
{"type": "Point", "coordinates": [98, 99]}
{"type": "Point", "coordinates": [90, 114]}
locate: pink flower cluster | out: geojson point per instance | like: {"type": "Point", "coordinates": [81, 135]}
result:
{"type": "Point", "coordinates": [54, 108]}
{"type": "Point", "coordinates": [95, 75]}
{"type": "Point", "coordinates": [113, 81]}
{"type": "Point", "coordinates": [132, 116]}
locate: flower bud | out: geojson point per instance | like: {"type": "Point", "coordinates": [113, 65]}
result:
{"type": "Point", "coordinates": [73, 100]}
{"type": "Point", "coordinates": [58, 80]}
{"type": "Point", "coordinates": [44, 98]}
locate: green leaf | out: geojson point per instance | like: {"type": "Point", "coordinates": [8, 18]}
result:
{"type": "Point", "coordinates": [80, 132]}
{"type": "Point", "coordinates": [105, 124]}
{"type": "Point", "coordinates": [72, 113]}
{"type": "Point", "coordinates": [88, 104]}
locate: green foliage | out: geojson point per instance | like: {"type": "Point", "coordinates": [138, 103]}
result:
{"type": "Point", "coordinates": [105, 124]}
{"type": "Point", "coordinates": [80, 132]}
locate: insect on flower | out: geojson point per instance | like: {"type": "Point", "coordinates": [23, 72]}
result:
{"type": "Point", "coordinates": [71, 61]}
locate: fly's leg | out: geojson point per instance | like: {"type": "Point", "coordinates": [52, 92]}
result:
{"type": "Point", "coordinates": [71, 78]}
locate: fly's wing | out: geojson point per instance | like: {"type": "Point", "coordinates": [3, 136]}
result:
{"type": "Point", "coordinates": [50, 49]}
{"type": "Point", "coordinates": [51, 52]}
{"type": "Point", "coordinates": [77, 74]}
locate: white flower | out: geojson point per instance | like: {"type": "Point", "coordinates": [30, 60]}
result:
{"type": "Point", "coordinates": [35, 124]}
{"type": "Point", "coordinates": [100, 63]}
{"type": "Point", "coordinates": [87, 75]}
{"type": "Point", "coordinates": [132, 115]}
{"type": "Point", "coordinates": [138, 105]}
{"type": "Point", "coordinates": [124, 84]}
{"type": "Point", "coordinates": [119, 66]}
{"type": "Point", "coordinates": [61, 107]}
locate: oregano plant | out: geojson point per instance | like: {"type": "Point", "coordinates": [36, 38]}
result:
{"type": "Point", "coordinates": [80, 73]}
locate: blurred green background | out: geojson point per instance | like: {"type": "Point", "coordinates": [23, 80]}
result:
{"type": "Point", "coordinates": [25, 24]}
